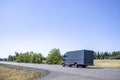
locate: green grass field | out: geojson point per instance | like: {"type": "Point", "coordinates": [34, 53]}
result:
{"type": "Point", "coordinates": [8, 72]}
{"type": "Point", "coordinates": [107, 63]}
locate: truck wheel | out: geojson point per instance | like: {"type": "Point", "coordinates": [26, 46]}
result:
{"type": "Point", "coordinates": [70, 65]}
{"type": "Point", "coordinates": [84, 66]}
{"type": "Point", "coordinates": [76, 65]}
{"type": "Point", "coordinates": [63, 65]}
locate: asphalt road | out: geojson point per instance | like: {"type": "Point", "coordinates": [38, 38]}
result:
{"type": "Point", "coordinates": [57, 72]}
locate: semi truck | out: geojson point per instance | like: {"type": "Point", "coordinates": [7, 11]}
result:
{"type": "Point", "coordinates": [78, 58]}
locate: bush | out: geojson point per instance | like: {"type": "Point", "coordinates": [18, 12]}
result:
{"type": "Point", "coordinates": [54, 57]}
{"type": "Point", "coordinates": [30, 58]}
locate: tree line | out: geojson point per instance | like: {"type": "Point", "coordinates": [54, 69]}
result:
{"type": "Point", "coordinates": [55, 57]}
{"type": "Point", "coordinates": [107, 55]}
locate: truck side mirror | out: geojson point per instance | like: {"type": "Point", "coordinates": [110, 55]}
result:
{"type": "Point", "coordinates": [65, 55]}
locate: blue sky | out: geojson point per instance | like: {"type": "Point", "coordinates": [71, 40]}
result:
{"type": "Point", "coordinates": [40, 25]}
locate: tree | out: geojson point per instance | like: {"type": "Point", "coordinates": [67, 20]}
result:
{"type": "Point", "coordinates": [95, 55]}
{"type": "Point", "coordinates": [11, 58]}
{"type": "Point", "coordinates": [98, 55]}
{"type": "Point", "coordinates": [36, 58]}
{"type": "Point", "coordinates": [30, 57]}
{"type": "Point", "coordinates": [20, 58]}
{"type": "Point", "coordinates": [25, 57]}
{"type": "Point", "coordinates": [54, 57]}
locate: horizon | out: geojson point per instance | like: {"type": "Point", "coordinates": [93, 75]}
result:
{"type": "Point", "coordinates": [40, 26]}
{"type": "Point", "coordinates": [60, 52]}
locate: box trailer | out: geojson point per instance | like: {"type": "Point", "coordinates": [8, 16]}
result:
{"type": "Point", "coordinates": [78, 58]}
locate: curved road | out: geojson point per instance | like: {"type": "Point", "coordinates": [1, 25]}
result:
{"type": "Point", "coordinates": [57, 72]}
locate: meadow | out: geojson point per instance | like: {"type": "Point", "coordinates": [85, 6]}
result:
{"type": "Point", "coordinates": [8, 72]}
{"type": "Point", "coordinates": [107, 63]}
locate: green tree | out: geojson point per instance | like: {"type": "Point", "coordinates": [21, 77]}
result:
{"type": "Point", "coordinates": [36, 58]}
{"type": "Point", "coordinates": [16, 54]}
{"type": "Point", "coordinates": [95, 55]}
{"type": "Point", "coordinates": [11, 58]}
{"type": "Point", "coordinates": [106, 55]}
{"type": "Point", "coordinates": [25, 57]}
{"type": "Point", "coordinates": [20, 58]}
{"type": "Point", "coordinates": [54, 57]}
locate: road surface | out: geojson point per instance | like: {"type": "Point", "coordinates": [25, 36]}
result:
{"type": "Point", "coordinates": [57, 72]}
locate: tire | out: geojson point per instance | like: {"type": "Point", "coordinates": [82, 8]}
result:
{"type": "Point", "coordinates": [63, 65]}
{"type": "Point", "coordinates": [70, 65]}
{"type": "Point", "coordinates": [84, 66]}
{"type": "Point", "coordinates": [76, 65]}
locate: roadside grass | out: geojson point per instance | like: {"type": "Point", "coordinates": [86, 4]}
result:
{"type": "Point", "coordinates": [9, 72]}
{"type": "Point", "coordinates": [107, 63]}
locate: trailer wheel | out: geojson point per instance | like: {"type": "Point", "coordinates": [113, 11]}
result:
{"type": "Point", "coordinates": [84, 66]}
{"type": "Point", "coordinates": [76, 65]}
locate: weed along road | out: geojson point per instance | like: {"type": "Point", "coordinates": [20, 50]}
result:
{"type": "Point", "coordinates": [57, 72]}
